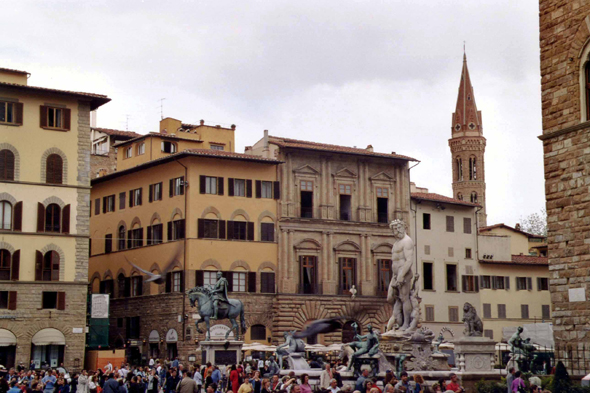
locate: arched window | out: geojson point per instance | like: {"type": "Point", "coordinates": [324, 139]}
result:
{"type": "Point", "coordinates": [52, 218]}
{"type": "Point", "coordinates": [54, 169]}
{"type": "Point", "coordinates": [122, 285]}
{"type": "Point", "coordinates": [50, 268]}
{"type": "Point", "coordinates": [472, 168]}
{"type": "Point", "coordinates": [459, 169]}
{"type": "Point", "coordinates": [474, 197]}
{"type": "Point", "coordinates": [121, 237]}
{"type": "Point", "coordinates": [459, 196]}
{"type": "Point", "coordinates": [5, 215]}
{"type": "Point", "coordinates": [6, 165]}
{"type": "Point", "coordinates": [4, 264]}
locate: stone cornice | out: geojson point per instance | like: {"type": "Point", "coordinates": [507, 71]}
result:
{"type": "Point", "coordinates": [564, 131]}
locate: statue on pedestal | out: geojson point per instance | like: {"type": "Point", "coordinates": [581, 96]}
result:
{"type": "Point", "coordinates": [291, 345]}
{"type": "Point", "coordinates": [214, 304]}
{"type": "Point", "coordinates": [521, 351]}
{"type": "Point", "coordinates": [403, 291]}
{"type": "Point", "coordinates": [473, 323]}
{"type": "Point", "coordinates": [369, 347]}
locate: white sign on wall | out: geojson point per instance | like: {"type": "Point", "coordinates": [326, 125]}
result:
{"type": "Point", "coordinates": [218, 332]}
{"type": "Point", "coordinates": [577, 294]}
{"type": "Point", "coordinates": [100, 306]}
{"type": "Point", "coordinates": [171, 336]}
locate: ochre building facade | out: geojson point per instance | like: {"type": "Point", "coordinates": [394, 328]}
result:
{"type": "Point", "coordinates": [44, 202]}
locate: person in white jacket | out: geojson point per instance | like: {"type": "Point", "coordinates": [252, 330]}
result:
{"type": "Point", "coordinates": [83, 382]}
{"type": "Point", "coordinates": [326, 376]}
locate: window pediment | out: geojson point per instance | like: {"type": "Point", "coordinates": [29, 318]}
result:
{"type": "Point", "coordinates": [306, 170]}
{"type": "Point", "coordinates": [382, 176]}
{"type": "Point", "coordinates": [345, 173]}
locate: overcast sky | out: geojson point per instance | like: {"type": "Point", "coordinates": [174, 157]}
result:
{"type": "Point", "coordinates": [355, 73]}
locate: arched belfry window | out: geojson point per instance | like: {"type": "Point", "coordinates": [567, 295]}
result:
{"type": "Point", "coordinates": [587, 88]}
{"type": "Point", "coordinates": [472, 168]}
{"type": "Point", "coordinates": [459, 196]}
{"type": "Point", "coordinates": [474, 197]}
{"type": "Point", "coordinates": [459, 169]}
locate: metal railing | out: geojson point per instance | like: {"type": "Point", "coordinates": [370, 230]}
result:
{"type": "Point", "coordinates": [575, 358]}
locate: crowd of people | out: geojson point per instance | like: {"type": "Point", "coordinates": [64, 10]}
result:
{"type": "Point", "coordinates": [247, 377]}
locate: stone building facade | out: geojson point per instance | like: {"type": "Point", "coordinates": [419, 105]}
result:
{"type": "Point", "coordinates": [44, 198]}
{"type": "Point", "coordinates": [336, 204]}
{"type": "Point", "coordinates": [565, 48]}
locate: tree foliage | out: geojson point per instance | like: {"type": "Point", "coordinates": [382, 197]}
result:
{"type": "Point", "coordinates": [535, 223]}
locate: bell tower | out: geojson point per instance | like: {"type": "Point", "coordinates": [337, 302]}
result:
{"type": "Point", "coordinates": [468, 146]}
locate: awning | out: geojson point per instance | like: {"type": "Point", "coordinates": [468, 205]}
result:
{"type": "Point", "coordinates": [171, 336]}
{"type": "Point", "coordinates": [49, 336]}
{"type": "Point", "coordinates": [154, 336]}
{"type": "Point", "coordinates": [7, 338]}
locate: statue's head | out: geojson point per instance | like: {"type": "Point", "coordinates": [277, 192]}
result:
{"type": "Point", "coordinates": [369, 328]}
{"type": "Point", "coordinates": [285, 334]}
{"type": "Point", "coordinates": [219, 275]}
{"type": "Point", "coordinates": [467, 307]}
{"type": "Point", "coordinates": [520, 329]}
{"type": "Point", "coordinates": [398, 227]}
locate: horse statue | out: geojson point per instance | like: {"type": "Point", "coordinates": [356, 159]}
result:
{"type": "Point", "coordinates": [232, 309]}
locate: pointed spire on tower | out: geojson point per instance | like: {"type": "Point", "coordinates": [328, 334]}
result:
{"type": "Point", "coordinates": [466, 116]}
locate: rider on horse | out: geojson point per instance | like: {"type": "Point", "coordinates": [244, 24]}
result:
{"type": "Point", "coordinates": [219, 293]}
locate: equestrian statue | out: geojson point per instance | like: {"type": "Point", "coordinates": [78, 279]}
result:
{"type": "Point", "coordinates": [213, 303]}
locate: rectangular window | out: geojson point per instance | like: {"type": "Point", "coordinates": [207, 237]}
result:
{"type": "Point", "coordinates": [108, 244]}
{"type": "Point", "coordinates": [129, 152]}
{"type": "Point", "coordinates": [501, 311]}
{"type": "Point", "coordinates": [239, 187]}
{"type": "Point", "coordinates": [426, 250]}
{"type": "Point", "coordinates": [451, 278]}
{"type": "Point", "coordinates": [487, 310]}
{"type": "Point", "coordinates": [177, 186]}
{"type": "Point", "coordinates": [155, 192]}
{"type": "Point", "coordinates": [345, 207]}
{"type": "Point", "coordinates": [524, 283]}
{"type": "Point", "coordinates": [177, 230]}
{"type": "Point", "coordinates": [135, 238]}
{"type": "Point", "coordinates": [157, 233]}
{"type": "Point", "coordinates": [450, 224]}
{"type": "Point", "coordinates": [209, 279]}
{"type": "Point", "coordinates": [485, 282]}
{"type": "Point", "coordinates": [3, 294]}
{"type": "Point", "coordinates": [135, 197]}
{"type": "Point", "coordinates": [453, 314]}
{"type": "Point", "coordinates": [306, 202]}
{"type": "Point", "coordinates": [470, 283]}
{"type": "Point", "coordinates": [168, 147]}
{"type": "Point", "coordinates": [216, 147]}
{"type": "Point", "coordinates": [468, 253]}
{"type": "Point", "coordinates": [136, 285]}
{"type": "Point", "coordinates": [239, 281]}
{"type": "Point", "coordinates": [141, 148]}
{"type": "Point", "coordinates": [451, 252]}
{"type": "Point", "coordinates": [489, 333]}
{"type": "Point", "coordinates": [427, 269]}
{"type": "Point", "coordinates": [267, 282]}
{"type": "Point", "coordinates": [210, 229]}
{"type": "Point", "coordinates": [542, 283]}
{"type": "Point", "coordinates": [307, 281]}
{"type": "Point", "coordinates": [176, 281]}
{"type": "Point", "coordinates": [240, 228]}
{"type": "Point", "coordinates": [267, 232]}
{"type": "Point", "coordinates": [347, 274]}
{"type": "Point", "coordinates": [49, 300]}
{"type": "Point", "coordinates": [306, 185]}
{"type": "Point", "coordinates": [429, 313]}
{"type": "Point", "coordinates": [382, 208]}
{"type": "Point", "coordinates": [55, 117]}
{"type": "Point", "coordinates": [133, 327]}
{"type": "Point", "coordinates": [467, 225]}
{"type": "Point", "coordinates": [500, 282]}
{"type": "Point", "coordinates": [524, 311]}
{"type": "Point", "coordinates": [384, 275]}
{"type": "Point", "coordinates": [97, 206]}
{"type": "Point", "coordinates": [266, 189]}
{"type": "Point", "coordinates": [345, 189]}
{"type": "Point", "coordinates": [425, 220]}
{"type": "Point", "coordinates": [122, 196]}
{"type": "Point", "coordinates": [546, 311]}
{"type": "Point", "coordinates": [11, 112]}
{"type": "Point", "coordinates": [210, 185]}
{"type": "Point", "coordinates": [382, 192]}
{"type": "Point", "coordinates": [108, 204]}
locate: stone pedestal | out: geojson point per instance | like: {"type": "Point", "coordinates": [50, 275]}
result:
{"type": "Point", "coordinates": [475, 354]}
{"type": "Point", "coordinates": [297, 361]}
{"type": "Point", "coordinates": [217, 353]}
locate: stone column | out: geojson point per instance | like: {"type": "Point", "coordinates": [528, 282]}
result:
{"type": "Point", "coordinates": [283, 262]}
{"type": "Point", "coordinates": [291, 260]}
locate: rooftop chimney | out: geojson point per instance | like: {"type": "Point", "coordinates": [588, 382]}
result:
{"type": "Point", "coordinates": [265, 149]}
{"type": "Point", "coordinates": [370, 148]}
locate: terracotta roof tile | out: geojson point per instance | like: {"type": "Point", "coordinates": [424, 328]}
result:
{"type": "Point", "coordinates": [96, 99]}
{"type": "Point", "coordinates": [109, 131]}
{"type": "Point", "coordinates": [295, 143]}
{"type": "Point", "coordinates": [429, 196]}
{"type": "Point", "coordinates": [502, 225]}
{"type": "Point", "coordinates": [521, 260]}
{"type": "Point", "coordinates": [228, 154]}
{"type": "Point", "coordinates": [15, 71]}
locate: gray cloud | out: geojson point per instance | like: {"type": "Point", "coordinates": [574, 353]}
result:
{"type": "Point", "coordinates": [351, 72]}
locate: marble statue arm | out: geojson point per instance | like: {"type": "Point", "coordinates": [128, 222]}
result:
{"type": "Point", "coordinates": [360, 337]}
{"type": "Point", "coordinates": [283, 345]}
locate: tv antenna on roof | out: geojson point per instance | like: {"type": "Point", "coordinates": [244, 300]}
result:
{"type": "Point", "coordinates": [162, 108]}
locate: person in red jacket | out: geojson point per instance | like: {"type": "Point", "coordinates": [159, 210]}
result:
{"type": "Point", "coordinates": [234, 379]}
